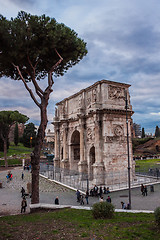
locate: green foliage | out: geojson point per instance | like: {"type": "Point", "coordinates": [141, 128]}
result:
{"type": "Point", "coordinates": [29, 131]}
{"type": "Point", "coordinates": [103, 210]}
{"type": "Point", "coordinates": [17, 150]}
{"type": "Point", "coordinates": [143, 133]}
{"type": "Point", "coordinates": [16, 135]}
{"type": "Point", "coordinates": [79, 224]}
{"type": "Point", "coordinates": [157, 132]}
{"type": "Point", "coordinates": [11, 162]}
{"type": "Point", "coordinates": [157, 215]}
{"type": "Point", "coordinates": [31, 40]}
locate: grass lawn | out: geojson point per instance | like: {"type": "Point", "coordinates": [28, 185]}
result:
{"type": "Point", "coordinates": [146, 164]}
{"type": "Point", "coordinates": [17, 150]}
{"type": "Point", "coordinates": [78, 224]}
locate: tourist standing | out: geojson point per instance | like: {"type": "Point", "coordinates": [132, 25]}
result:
{"type": "Point", "coordinates": [23, 205]}
{"type": "Point", "coordinates": [142, 189]}
{"type": "Point", "coordinates": [56, 201]}
{"type": "Point", "coordinates": [109, 199]}
{"type": "Point", "coordinates": [86, 197]}
{"type": "Point", "coordinates": [145, 190]}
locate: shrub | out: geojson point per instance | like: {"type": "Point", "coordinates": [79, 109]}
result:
{"type": "Point", "coordinates": [103, 210]}
{"type": "Point", "coordinates": [157, 215]}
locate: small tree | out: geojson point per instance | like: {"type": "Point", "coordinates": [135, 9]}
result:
{"type": "Point", "coordinates": [7, 119]}
{"type": "Point", "coordinates": [103, 210]}
{"type": "Point", "coordinates": [157, 132]}
{"type": "Point", "coordinates": [16, 134]}
{"type": "Point", "coordinates": [31, 49]}
{"type": "Point", "coordinates": [143, 133]}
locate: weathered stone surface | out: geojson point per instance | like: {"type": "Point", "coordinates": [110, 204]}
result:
{"type": "Point", "coordinates": [91, 132]}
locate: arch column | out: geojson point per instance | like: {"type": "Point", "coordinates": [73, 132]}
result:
{"type": "Point", "coordinates": [56, 147]}
{"type": "Point", "coordinates": [98, 166]}
{"type": "Point", "coordinates": [65, 161]}
{"type": "Point", "coordinates": [82, 165]}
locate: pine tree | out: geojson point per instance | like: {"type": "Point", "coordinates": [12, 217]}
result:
{"type": "Point", "coordinates": [143, 133]}
{"type": "Point", "coordinates": [157, 132]}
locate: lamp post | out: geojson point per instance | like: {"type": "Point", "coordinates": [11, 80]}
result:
{"type": "Point", "coordinates": [129, 180]}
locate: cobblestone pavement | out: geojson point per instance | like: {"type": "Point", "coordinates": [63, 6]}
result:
{"type": "Point", "coordinates": [10, 196]}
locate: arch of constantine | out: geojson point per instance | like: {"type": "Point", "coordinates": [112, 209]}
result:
{"type": "Point", "coordinates": [91, 132]}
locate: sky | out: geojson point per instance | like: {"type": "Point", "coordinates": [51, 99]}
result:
{"type": "Point", "coordinates": [123, 43]}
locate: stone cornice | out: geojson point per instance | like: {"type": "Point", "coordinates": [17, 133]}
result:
{"type": "Point", "coordinates": [118, 84]}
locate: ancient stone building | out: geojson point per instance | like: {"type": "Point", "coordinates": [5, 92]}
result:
{"type": "Point", "coordinates": [91, 132]}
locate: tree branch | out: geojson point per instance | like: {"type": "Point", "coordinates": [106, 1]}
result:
{"type": "Point", "coordinates": [50, 79]}
{"type": "Point", "coordinates": [37, 88]}
{"type": "Point", "coordinates": [26, 86]}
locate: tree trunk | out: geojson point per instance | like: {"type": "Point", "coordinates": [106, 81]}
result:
{"type": "Point", "coordinates": [35, 156]}
{"type": "Point", "coordinates": [5, 153]}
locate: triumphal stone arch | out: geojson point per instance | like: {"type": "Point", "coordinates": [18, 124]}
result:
{"type": "Point", "coordinates": [91, 132]}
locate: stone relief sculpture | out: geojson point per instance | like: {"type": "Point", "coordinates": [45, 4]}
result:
{"type": "Point", "coordinates": [118, 131]}
{"type": "Point", "coordinates": [115, 92]}
{"type": "Point", "coordinates": [90, 134]}
{"type": "Point", "coordinates": [94, 94]}
{"type": "Point", "coordinates": [80, 100]}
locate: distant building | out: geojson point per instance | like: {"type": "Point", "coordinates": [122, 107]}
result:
{"type": "Point", "coordinates": [137, 130]}
{"type": "Point", "coordinates": [20, 131]}
{"type": "Point", "coordinates": [49, 141]}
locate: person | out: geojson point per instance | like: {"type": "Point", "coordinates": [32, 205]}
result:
{"type": "Point", "coordinates": [123, 205]}
{"type": "Point", "coordinates": [95, 190]}
{"type": "Point", "coordinates": [81, 199]}
{"type": "Point", "coordinates": [56, 201]}
{"type": "Point", "coordinates": [108, 191]}
{"type": "Point", "coordinates": [78, 195]}
{"type": "Point", "coordinates": [22, 175]}
{"type": "Point", "coordinates": [23, 205]}
{"type": "Point", "coordinates": [142, 189]}
{"type": "Point", "coordinates": [23, 191]}
{"type": "Point", "coordinates": [104, 190]}
{"type": "Point", "coordinates": [86, 196]}
{"type": "Point", "coordinates": [100, 191]}
{"type": "Point", "coordinates": [109, 199]}
{"type": "Point", "coordinates": [101, 199]}
{"type": "Point", "coordinates": [145, 190]}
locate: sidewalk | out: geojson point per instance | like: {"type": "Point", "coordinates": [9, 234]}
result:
{"type": "Point", "coordinates": [10, 196]}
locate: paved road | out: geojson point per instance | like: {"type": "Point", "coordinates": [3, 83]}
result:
{"type": "Point", "coordinates": [10, 196]}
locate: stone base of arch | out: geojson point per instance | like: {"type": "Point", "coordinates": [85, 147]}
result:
{"type": "Point", "coordinates": [65, 163]}
{"type": "Point", "coordinates": [98, 173]}
{"type": "Point", "coordinates": [83, 170]}
{"type": "Point", "coordinates": [57, 162]}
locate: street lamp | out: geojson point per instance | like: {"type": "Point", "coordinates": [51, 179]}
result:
{"type": "Point", "coordinates": [129, 180]}
{"type": "Point", "coordinates": [31, 142]}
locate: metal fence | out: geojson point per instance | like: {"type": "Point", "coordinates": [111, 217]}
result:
{"type": "Point", "coordinates": [82, 181]}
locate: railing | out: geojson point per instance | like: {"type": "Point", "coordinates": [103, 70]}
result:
{"type": "Point", "coordinates": [82, 181]}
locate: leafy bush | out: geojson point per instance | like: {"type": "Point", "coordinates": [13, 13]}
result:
{"type": "Point", "coordinates": [157, 215]}
{"type": "Point", "coordinates": [103, 210]}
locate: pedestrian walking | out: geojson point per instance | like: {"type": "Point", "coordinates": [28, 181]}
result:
{"type": "Point", "coordinates": [23, 192]}
{"type": "Point", "coordinates": [22, 175]}
{"type": "Point", "coordinates": [86, 197]}
{"type": "Point", "coordinates": [78, 195]}
{"type": "Point", "coordinates": [81, 199]}
{"type": "Point", "coordinates": [23, 205]}
{"type": "Point", "coordinates": [56, 201]}
{"type": "Point", "coordinates": [145, 190]}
